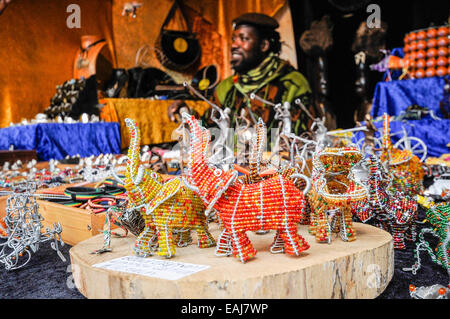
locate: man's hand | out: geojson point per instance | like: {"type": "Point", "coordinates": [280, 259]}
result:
{"type": "Point", "coordinates": [176, 108]}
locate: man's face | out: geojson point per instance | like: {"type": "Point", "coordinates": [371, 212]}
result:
{"type": "Point", "coordinates": [246, 50]}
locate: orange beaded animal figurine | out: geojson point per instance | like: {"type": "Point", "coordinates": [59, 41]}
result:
{"type": "Point", "coordinates": [166, 206]}
{"type": "Point", "coordinates": [273, 203]}
{"type": "Point", "coordinates": [334, 191]}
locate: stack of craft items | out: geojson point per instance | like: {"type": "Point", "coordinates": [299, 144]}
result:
{"type": "Point", "coordinates": [438, 217]}
{"type": "Point", "coordinates": [392, 212]}
{"type": "Point", "coordinates": [406, 168]}
{"type": "Point", "coordinates": [167, 206]}
{"type": "Point", "coordinates": [273, 203]}
{"type": "Point", "coordinates": [65, 97]}
{"type": "Point", "coordinates": [334, 192]}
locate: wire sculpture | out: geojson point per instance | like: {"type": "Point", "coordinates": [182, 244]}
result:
{"type": "Point", "coordinates": [24, 229]}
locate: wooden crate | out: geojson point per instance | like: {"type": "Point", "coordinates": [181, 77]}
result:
{"type": "Point", "coordinates": [77, 224]}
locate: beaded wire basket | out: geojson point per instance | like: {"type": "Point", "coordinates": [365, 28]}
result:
{"type": "Point", "coordinates": [334, 192]}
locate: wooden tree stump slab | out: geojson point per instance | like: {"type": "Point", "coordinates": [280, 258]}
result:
{"type": "Point", "coordinates": [359, 269]}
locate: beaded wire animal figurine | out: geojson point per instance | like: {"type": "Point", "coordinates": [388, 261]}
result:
{"type": "Point", "coordinates": [273, 203]}
{"type": "Point", "coordinates": [166, 206]}
{"type": "Point", "coordinates": [404, 165]}
{"type": "Point", "coordinates": [334, 192]}
{"type": "Point", "coordinates": [24, 230]}
{"type": "Point", "coordinates": [392, 212]}
{"type": "Point", "coordinates": [439, 218]}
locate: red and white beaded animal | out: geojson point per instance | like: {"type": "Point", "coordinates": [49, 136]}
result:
{"type": "Point", "coordinates": [274, 203]}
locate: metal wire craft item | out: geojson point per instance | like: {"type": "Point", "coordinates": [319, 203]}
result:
{"type": "Point", "coordinates": [439, 218]}
{"type": "Point", "coordinates": [165, 206]}
{"type": "Point", "coordinates": [274, 203]}
{"type": "Point", "coordinates": [24, 230]}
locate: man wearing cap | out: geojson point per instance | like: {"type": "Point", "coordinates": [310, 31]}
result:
{"type": "Point", "coordinates": [259, 70]}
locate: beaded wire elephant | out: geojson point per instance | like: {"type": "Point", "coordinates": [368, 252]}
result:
{"type": "Point", "coordinates": [334, 191]}
{"type": "Point", "coordinates": [273, 203]}
{"type": "Point", "coordinates": [167, 207]}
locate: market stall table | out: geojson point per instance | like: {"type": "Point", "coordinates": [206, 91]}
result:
{"type": "Point", "coordinates": [57, 140]}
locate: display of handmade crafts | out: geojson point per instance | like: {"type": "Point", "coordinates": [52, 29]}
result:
{"type": "Point", "coordinates": [334, 191]}
{"type": "Point", "coordinates": [392, 212]}
{"type": "Point", "coordinates": [438, 217]}
{"type": "Point", "coordinates": [166, 206]}
{"type": "Point", "coordinates": [274, 203]}
{"type": "Point", "coordinates": [405, 167]}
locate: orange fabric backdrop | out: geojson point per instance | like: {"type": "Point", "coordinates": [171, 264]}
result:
{"type": "Point", "coordinates": [37, 51]}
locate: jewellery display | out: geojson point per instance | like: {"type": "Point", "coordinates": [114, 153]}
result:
{"type": "Point", "coordinates": [334, 191]}
{"type": "Point", "coordinates": [164, 205]}
{"type": "Point", "coordinates": [273, 203]}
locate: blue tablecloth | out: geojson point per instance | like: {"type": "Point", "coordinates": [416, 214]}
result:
{"type": "Point", "coordinates": [57, 140]}
{"type": "Point", "coordinates": [434, 133]}
{"type": "Point", "coordinates": [395, 96]}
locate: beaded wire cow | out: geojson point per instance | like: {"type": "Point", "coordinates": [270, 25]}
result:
{"type": "Point", "coordinates": [166, 206]}
{"type": "Point", "coordinates": [274, 203]}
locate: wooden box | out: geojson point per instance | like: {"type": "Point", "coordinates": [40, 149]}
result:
{"type": "Point", "coordinates": [77, 224]}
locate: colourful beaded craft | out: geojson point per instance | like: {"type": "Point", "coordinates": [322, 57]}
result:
{"type": "Point", "coordinates": [274, 203]}
{"type": "Point", "coordinates": [406, 168]}
{"type": "Point", "coordinates": [439, 218]}
{"type": "Point", "coordinates": [166, 207]}
{"type": "Point", "coordinates": [392, 212]}
{"type": "Point", "coordinates": [334, 192]}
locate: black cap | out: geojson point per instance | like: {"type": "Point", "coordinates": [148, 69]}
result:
{"type": "Point", "coordinates": [256, 19]}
